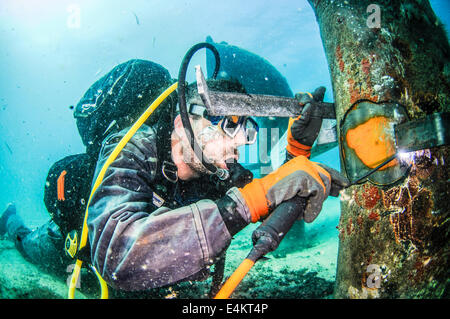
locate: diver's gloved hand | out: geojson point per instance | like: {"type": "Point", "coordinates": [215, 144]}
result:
{"type": "Point", "coordinates": [299, 176]}
{"type": "Point", "coordinates": [239, 177]}
{"type": "Point", "coordinates": [303, 130]}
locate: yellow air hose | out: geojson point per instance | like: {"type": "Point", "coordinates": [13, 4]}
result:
{"type": "Point", "coordinates": [111, 158]}
{"type": "Point", "coordinates": [234, 280]}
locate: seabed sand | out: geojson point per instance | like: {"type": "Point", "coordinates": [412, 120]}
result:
{"type": "Point", "coordinates": [20, 279]}
{"type": "Point", "coordinates": [304, 266]}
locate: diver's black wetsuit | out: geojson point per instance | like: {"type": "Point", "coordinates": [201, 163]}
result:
{"type": "Point", "coordinates": [144, 231]}
{"type": "Point", "coordinates": [136, 245]}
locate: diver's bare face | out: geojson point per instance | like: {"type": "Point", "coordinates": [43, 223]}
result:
{"type": "Point", "coordinates": [217, 147]}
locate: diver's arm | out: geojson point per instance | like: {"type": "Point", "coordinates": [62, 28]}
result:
{"type": "Point", "coordinates": [135, 246]}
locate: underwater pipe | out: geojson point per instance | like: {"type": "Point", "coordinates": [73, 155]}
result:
{"type": "Point", "coordinates": [401, 230]}
{"type": "Point", "coordinates": [266, 238]}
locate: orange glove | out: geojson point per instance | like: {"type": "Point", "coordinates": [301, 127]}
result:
{"type": "Point", "coordinates": [299, 176]}
{"type": "Point", "coordinates": [303, 130]}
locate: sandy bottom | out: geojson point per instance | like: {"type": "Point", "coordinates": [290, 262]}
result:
{"type": "Point", "coordinates": [303, 266]}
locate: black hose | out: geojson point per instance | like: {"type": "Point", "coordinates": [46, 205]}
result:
{"type": "Point", "coordinates": [389, 159]}
{"type": "Point", "coordinates": [182, 99]}
{"type": "Point", "coordinates": [270, 233]}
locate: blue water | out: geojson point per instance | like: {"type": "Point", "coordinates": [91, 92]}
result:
{"type": "Point", "coordinates": [48, 59]}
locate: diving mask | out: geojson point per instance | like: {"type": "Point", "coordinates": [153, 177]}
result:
{"type": "Point", "coordinates": [230, 125]}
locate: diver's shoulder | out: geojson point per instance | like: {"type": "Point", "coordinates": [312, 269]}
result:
{"type": "Point", "coordinates": [145, 132]}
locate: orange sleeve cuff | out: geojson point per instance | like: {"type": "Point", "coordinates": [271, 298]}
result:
{"type": "Point", "coordinates": [255, 198]}
{"type": "Point", "coordinates": [295, 148]}
{"type": "Point", "coordinates": [296, 151]}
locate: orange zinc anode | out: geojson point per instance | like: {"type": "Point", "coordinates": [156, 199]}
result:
{"type": "Point", "coordinates": [372, 143]}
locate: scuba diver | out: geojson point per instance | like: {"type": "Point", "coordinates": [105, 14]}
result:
{"type": "Point", "coordinates": [160, 217]}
